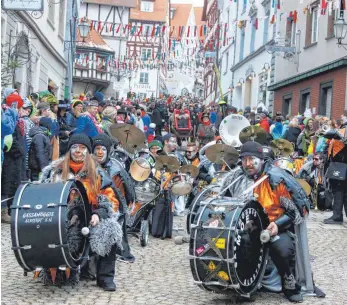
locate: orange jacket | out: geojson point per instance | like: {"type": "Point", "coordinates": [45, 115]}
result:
{"type": "Point", "coordinates": [270, 199]}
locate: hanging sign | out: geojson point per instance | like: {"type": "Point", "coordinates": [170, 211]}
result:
{"type": "Point", "coordinates": [22, 5]}
{"type": "Point", "coordinates": [210, 54]}
{"type": "Point", "coordinates": [280, 49]}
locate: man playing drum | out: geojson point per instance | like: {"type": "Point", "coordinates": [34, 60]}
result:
{"type": "Point", "coordinates": [285, 204]}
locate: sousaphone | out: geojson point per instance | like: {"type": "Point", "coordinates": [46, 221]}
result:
{"type": "Point", "coordinates": [230, 129]}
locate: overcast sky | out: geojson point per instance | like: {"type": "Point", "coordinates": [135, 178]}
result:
{"type": "Point", "coordinates": [195, 2]}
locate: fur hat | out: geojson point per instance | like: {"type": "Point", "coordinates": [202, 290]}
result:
{"type": "Point", "coordinates": [80, 139]}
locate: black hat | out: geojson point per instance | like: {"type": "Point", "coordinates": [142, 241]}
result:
{"type": "Point", "coordinates": [251, 148]}
{"type": "Point", "coordinates": [80, 139]}
{"type": "Point", "coordinates": [63, 104]}
{"type": "Point", "coordinates": [104, 140]}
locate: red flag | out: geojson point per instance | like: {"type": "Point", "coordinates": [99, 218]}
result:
{"type": "Point", "coordinates": [278, 4]}
{"type": "Point", "coordinates": [169, 44]}
{"type": "Point", "coordinates": [111, 26]}
{"type": "Point", "coordinates": [99, 26]}
{"type": "Point", "coordinates": [125, 29]}
{"type": "Point", "coordinates": [188, 32]}
{"type": "Point", "coordinates": [272, 19]}
{"type": "Point", "coordinates": [201, 29]}
{"type": "Point", "coordinates": [179, 30]}
{"type": "Point", "coordinates": [140, 31]}
{"type": "Point", "coordinates": [163, 28]}
{"type": "Point", "coordinates": [153, 31]}
{"type": "Point", "coordinates": [256, 23]}
{"type": "Point", "coordinates": [117, 31]}
{"type": "Point", "coordinates": [295, 16]}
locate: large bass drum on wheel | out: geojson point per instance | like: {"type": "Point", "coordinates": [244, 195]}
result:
{"type": "Point", "coordinates": [226, 253]}
{"type": "Point", "coordinates": [46, 225]}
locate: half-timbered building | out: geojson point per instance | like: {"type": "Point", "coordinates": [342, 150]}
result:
{"type": "Point", "coordinates": [148, 47]}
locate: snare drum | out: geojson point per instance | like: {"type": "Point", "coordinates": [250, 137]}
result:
{"type": "Point", "coordinates": [46, 225]}
{"type": "Point", "coordinates": [181, 185]}
{"type": "Point", "coordinates": [286, 164]}
{"type": "Point", "coordinates": [226, 253]}
{"type": "Point", "coordinates": [146, 190]}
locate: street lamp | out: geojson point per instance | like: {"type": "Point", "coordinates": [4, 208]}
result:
{"type": "Point", "coordinates": [84, 29]}
{"type": "Point", "coordinates": [251, 75]}
{"type": "Point", "coordinates": [241, 81]}
{"type": "Point", "coordinates": [340, 29]}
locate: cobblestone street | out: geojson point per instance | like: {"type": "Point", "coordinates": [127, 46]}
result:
{"type": "Point", "coordinates": [161, 275]}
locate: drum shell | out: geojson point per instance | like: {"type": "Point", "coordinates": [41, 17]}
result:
{"type": "Point", "coordinates": [48, 227]}
{"type": "Point", "coordinates": [230, 261]}
{"type": "Point", "coordinates": [146, 190]}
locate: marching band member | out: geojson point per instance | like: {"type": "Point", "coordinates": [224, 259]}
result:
{"type": "Point", "coordinates": [101, 149]}
{"type": "Point", "coordinates": [285, 203]}
{"type": "Point", "coordinates": [79, 163]}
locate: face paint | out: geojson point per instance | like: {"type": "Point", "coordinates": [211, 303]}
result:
{"type": "Point", "coordinates": [172, 144]}
{"type": "Point", "coordinates": [78, 153]}
{"type": "Point", "coordinates": [190, 154]}
{"type": "Point", "coordinates": [252, 166]}
{"type": "Point", "coordinates": [101, 153]}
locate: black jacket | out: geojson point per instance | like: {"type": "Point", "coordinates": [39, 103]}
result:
{"type": "Point", "coordinates": [157, 117]}
{"type": "Point", "coordinates": [40, 148]}
{"type": "Point", "coordinates": [292, 134]}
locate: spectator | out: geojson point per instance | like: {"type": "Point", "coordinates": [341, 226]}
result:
{"type": "Point", "coordinates": [276, 129]}
{"type": "Point", "coordinates": [87, 123]}
{"type": "Point", "coordinates": [64, 128]}
{"type": "Point", "coordinates": [293, 132]}
{"type": "Point", "coordinates": [9, 119]}
{"type": "Point", "coordinates": [138, 120]}
{"type": "Point", "coordinates": [109, 115]}
{"type": "Point", "coordinates": [52, 87]}
{"type": "Point", "coordinates": [304, 140]}
{"type": "Point", "coordinates": [264, 123]}
{"type": "Point", "coordinates": [74, 114]}
{"type": "Point", "coordinates": [156, 118]}
{"type": "Point", "coordinates": [40, 148]}
{"type": "Point", "coordinates": [25, 113]}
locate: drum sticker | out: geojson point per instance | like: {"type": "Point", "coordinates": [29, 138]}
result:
{"type": "Point", "coordinates": [211, 266]}
{"type": "Point", "coordinates": [38, 206]}
{"type": "Point", "coordinates": [223, 275]}
{"type": "Point", "coordinates": [214, 223]}
{"type": "Point", "coordinates": [220, 243]}
{"type": "Point", "coordinates": [38, 217]}
{"type": "Point", "coordinates": [202, 249]}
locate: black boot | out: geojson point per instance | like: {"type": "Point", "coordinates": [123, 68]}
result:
{"type": "Point", "coordinates": [333, 221]}
{"type": "Point", "coordinates": [107, 285]}
{"type": "Point", "coordinates": [291, 289]}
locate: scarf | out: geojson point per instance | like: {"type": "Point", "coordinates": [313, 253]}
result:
{"type": "Point", "coordinates": [76, 167]}
{"type": "Point", "coordinates": [96, 124]}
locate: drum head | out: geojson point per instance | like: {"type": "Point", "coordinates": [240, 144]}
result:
{"type": "Point", "coordinates": [140, 169]}
{"type": "Point", "coordinates": [225, 248]}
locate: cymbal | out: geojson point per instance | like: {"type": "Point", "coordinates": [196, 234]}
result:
{"type": "Point", "coordinates": [219, 152]}
{"type": "Point", "coordinates": [170, 164]}
{"type": "Point", "coordinates": [253, 133]}
{"type": "Point", "coordinates": [282, 147]}
{"type": "Point", "coordinates": [305, 186]}
{"type": "Point", "coordinates": [133, 148]}
{"type": "Point", "coordinates": [130, 136]}
{"type": "Point", "coordinates": [192, 170]}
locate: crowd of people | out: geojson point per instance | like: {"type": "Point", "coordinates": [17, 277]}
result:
{"type": "Point", "coordinates": [47, 140]}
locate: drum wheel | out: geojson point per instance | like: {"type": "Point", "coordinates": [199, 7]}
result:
{"type": "Point", "coordinates": [144, 233]}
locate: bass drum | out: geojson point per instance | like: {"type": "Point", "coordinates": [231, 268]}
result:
{"type": "Point", "coordinates": [226, 253]}
{"type": "Point", "coordinates": [46, 225]}
{"type": "Point", "coordinates": [123, 157]}
{"type": "Point", "coordinates": [208, 192]}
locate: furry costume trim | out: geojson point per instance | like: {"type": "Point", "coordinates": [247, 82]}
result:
{"type": "Point", "coordinates": [290, 206]}
{"type": "Point", "coordinates": [60, 279]}
{"type": "Point", "coordinates": [107, 233]}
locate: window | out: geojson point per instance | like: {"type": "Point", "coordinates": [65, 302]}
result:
{"type": "Point", "coordinates": [226, 62]}
{"type": "Point", "coordinates": [314, 36]}
{"type": "Point", "coordinates": [305, 97]}
{"type": "Point", "coordinates": [3, 29]}
{"type": "Point", "coordinates": [146, 6]}
{"type": "Point", "coordinates": [170, 66]}
{"type": "Point", "coordinates": [325, 99]}
{"type": "Point", "coordinates": [61, 18]}
{"type": "Point", "coordinates": [143, 78]}
{"type": "Point", "coordinates": [253, 30]}
{"type": "Point", "coordinates": [287, 105]}
{"type": "Point", "coordinates": [290, 32]}
{"type": "Point", "coordinates": [242, 43]}
{"type": "Point", "coordinates": [331, 20]}
{"type": "Point", "coordinates": [293, 35]}
{"type": "Point", "coordinates": [51, 13]}
{"type": "Point", "coordinates": [146, 53]}
{"type": "Point", "coordinates": [266, 30]}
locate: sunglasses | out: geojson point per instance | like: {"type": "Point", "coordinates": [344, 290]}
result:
{"type": "Point", "coordinates": [316, 159]}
